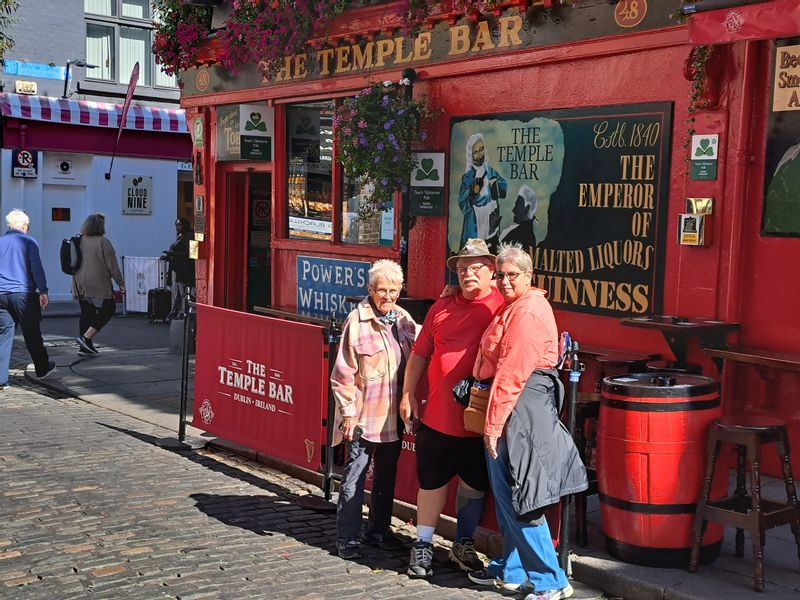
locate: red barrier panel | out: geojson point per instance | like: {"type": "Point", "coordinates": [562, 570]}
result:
{"type": "Point", "coordinates": [261, 382]}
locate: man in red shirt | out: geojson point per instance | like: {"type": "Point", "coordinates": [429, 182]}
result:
{"type": "Point", "coordinates": [448, 345]}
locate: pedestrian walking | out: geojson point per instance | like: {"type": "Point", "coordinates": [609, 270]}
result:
{"type": "Point", "coordinates": [447, 346]}
{"type": "Point", "coordinates": [367, 380]}
{"type": "Point", "coordinates": [518, 353]}
{"type": "Point", "coordinates": [91, 283]}
{"type": "Point", "coordinates": [181, 268]}
{"type": "Point", "coordinates": [23, 295]}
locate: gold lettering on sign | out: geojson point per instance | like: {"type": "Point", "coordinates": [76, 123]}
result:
{"type": "Point", "coordinates": [786, 85]}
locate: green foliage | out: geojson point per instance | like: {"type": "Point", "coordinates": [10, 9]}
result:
{"type": "Point", "coordinates": [7, 8]}
{"type": "Point", "coordinates": [376, 132]}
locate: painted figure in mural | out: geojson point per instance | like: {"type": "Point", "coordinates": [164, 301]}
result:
{"type": "Point", "coordinates": [481, 189]}
{"type": "Point", "coordinates": [446, 349]}
{"type": "Point", "coordinates": [782, 193]}
{"type": "Point", "coordinates": [367, 380]}
{"type": "Point", "coordinates": [521, 232]}
{"type": "Point", "coordinates": [91, 283]}
{"type": "Point", "coordinates": [518, 353]}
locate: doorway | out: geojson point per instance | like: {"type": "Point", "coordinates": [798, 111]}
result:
{"type": "Point", "coordinates": [246, 259]}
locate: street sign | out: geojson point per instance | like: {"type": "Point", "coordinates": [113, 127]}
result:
{"type": "Point", "coordinates": [24, 163]}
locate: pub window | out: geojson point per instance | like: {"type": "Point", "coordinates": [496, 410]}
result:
{"type": "Point", "coordinates": [311, 174]}
{"type": "Point", "coordinates": [309, 138]}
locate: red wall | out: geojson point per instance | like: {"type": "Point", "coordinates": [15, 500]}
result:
{"type": "Point", "coordinates": [741, 276]}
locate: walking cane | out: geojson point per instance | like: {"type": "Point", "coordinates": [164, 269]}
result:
{"type": "Point", "coordinates": [575, 369]}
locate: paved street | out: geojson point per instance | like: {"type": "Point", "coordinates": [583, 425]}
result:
{"type": "Point", "coordinates": [90, 506]}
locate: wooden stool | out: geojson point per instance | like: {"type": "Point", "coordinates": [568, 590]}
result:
{"type": "Point", "coordinates": [741, 510]}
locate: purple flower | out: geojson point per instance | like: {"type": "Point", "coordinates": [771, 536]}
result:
{"type": "Point", "coordinates": [379, 145]}
{"type": "Point", "coordinates": [404, 188]}
{"type": "Point", "coordinates": [423, 136]}
{"type": "Point", "coordinates": [376, 160]}
{"type": "Point", "coordinates": [395, 158]}
{"type": "Point", "coordinates": [392, 138]}
{"type": "Point", "coordinates": [385, 101]}
{"type": "Point", "coordinates": [401, 112]}
{"type": "Point", "coordinates": [384, 181]}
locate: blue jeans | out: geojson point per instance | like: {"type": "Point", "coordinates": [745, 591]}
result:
{"type": "Point", "coordinates": [528, 553]}
{"type": "Point", "coordinates": [21, 308]}
{"type": "Point", "coordinates": [351, 494]}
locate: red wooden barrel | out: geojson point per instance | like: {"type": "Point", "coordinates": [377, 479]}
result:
{"type": "Point", "coordinates": [651, 458]}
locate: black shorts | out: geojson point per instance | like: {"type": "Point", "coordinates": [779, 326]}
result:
{"type": "Point", "coordinates": [441, 456]}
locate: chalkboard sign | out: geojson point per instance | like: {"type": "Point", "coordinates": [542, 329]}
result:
{"type": "Point", "coordinates": [584, 191]}
{"type": "Point", "coordinates": [781, 214]}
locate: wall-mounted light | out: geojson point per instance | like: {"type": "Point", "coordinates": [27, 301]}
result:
{"type": "Point", "coordinates": [78, 62]}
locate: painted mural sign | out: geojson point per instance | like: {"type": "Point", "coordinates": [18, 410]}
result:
{"type": "Point", "coordinates": [782, 164]}
{"type": "Point", "coordinates": [511, 30]}
{"type": "Point", "coordinates": [327, 286]}
{"type": "Point", "coordinates": [584, 191]}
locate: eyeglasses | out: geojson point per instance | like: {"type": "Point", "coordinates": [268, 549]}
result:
{"type": "Point", "coordinates": [512, 277]}
{"type": "Point", "coordinates": [475, 269]}
{"type": "Point", "coordinates": [386, 293]}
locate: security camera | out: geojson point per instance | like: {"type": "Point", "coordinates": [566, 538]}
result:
{"type": "Point", "coordinates": [65, 166]}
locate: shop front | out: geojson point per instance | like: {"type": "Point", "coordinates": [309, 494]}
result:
{"type": "Point", "coordinates": [639, 187]}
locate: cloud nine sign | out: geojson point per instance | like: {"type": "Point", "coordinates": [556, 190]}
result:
{"type": "Point", "coordinates": [137, 195]}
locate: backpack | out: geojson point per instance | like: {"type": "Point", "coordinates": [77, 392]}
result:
{"type": "Point", "coordinates": [70, 254]}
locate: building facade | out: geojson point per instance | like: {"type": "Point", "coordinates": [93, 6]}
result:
{"type": "Point", "coordinates": [63, 88]}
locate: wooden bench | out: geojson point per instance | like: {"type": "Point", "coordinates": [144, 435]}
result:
{"type": "Point", "coordinates": [763, 359]}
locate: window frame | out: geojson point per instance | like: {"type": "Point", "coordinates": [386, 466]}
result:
{"type": "Point", "coordinates": [116, 22]}
{"type": "Point", "coordinates": [338, 190]}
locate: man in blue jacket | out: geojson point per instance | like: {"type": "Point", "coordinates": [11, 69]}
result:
{"type": "Point", "coordinates": [23, 295]}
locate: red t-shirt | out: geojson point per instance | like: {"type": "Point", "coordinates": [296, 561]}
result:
{"type": "Point", "coordinates": [449, 339]}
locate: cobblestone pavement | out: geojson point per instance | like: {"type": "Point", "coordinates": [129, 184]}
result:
{"type": "Point", "coordinates": [91, 507]}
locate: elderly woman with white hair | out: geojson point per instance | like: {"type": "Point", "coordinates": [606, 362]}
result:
{"type": "Point", "coordinates": [531, 457]}
{"type": "Point", "coordinates": [367, 382]}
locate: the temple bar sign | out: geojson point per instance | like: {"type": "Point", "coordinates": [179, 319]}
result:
{"type": "Point", "coordinates": [137, 195]}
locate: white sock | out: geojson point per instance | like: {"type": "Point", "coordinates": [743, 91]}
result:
{"type": "Point", "coordinates": [425, 533]}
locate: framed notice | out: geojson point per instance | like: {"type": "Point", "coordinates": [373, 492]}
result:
{"type": "Point", "coordinates": [137, 195]}
{"type": "Point", "coordinates": [584, 191]}
{"type": "Point", "coordinates": [781, 214]}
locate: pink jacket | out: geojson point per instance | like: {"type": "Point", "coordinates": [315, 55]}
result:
{"type": "Point", "coordinates": [365, 376]}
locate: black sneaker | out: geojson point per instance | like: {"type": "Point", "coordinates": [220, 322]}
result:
{"type": "Point", "coordinates": [384, 541]}
{"type": "Point", "coordinates": [421, 563]}
{"type": "Point", "coordinates": [51, 366]}
{"type": "Point", "coordinates": [349, 549]}
{"type": "Point", "coordinates": [86, 344]}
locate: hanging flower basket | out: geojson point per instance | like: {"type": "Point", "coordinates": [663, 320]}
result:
{"type": "Point", "coordinates": [180, 32]}
{"type": "Point", "coordinates": [376, 133]}
{"type": "Point", "coordinates": [264, 32]}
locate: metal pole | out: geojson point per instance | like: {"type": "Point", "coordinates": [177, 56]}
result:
{"type": "Point", "coordinates": [706, 5]}
{"type": "Point", "coordinates": [187, 314]}
{"type": "Point", "coordinates": [405, 201]}
{"type": "Point", "coordinates": [566, 502]}
{"type": "Point", "coordinates": [333, 343]}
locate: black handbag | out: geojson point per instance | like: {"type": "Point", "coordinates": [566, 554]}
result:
{"type": "Point", "coordinates": [461, 390]}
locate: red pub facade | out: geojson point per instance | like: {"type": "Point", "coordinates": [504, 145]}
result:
{"type": "Point", "coordinates": [641, 215]}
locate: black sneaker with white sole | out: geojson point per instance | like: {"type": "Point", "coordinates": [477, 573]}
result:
{"type": "Point", "coordinates": [464, 556]}
{"type": "Point", "coordinates": [86, 344]}
{"type": "Point", "coordinates": [51, 366]}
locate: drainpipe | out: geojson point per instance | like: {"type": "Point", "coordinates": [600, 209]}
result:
{"type": "Point", "coordinates": [706, 5]}
{"type": "Point", "coordinates": [405, 208]}
{"type": "Point", "coordinates": [729, 303]}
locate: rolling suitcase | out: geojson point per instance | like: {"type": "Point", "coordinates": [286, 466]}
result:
{"type": "Point", "coordinates": [159, 303]}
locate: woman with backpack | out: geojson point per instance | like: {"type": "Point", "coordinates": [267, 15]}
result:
{"type": "Point", "coordinates": [91, 282]}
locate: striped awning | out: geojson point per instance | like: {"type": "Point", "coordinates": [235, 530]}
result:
{"type": "Point", "coordinates": [96, 114]}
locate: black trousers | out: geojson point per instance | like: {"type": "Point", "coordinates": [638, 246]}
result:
{"type": "Point", "coordinates": [24, 309]}
{"type": "Point", "coordinates": [91, 316]}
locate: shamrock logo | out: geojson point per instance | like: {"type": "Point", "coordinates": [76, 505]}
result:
{"type": "Point", "coordinates": [705, 148]}
{"type": "Point", "coordinates": [426, 170]}
{"type": "Point", "coordinates": [255, 123]}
